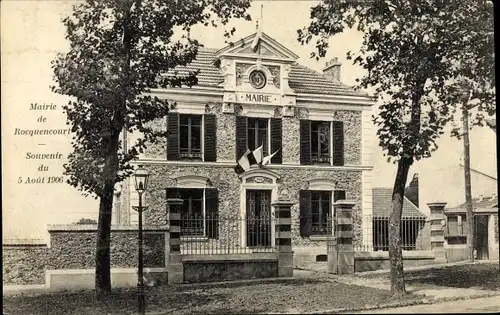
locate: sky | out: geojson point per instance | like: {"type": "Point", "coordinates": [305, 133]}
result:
{"type": "Point", "coordinates": [32, 35]}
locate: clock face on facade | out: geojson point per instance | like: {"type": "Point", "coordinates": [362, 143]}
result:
{"type": "Point", "coordinates": [257, 79]}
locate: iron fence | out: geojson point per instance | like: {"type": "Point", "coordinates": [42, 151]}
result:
{"type": "Point", "coordinates": [212, 235]}
{"type": "Point", "coordinates": [376, 233]}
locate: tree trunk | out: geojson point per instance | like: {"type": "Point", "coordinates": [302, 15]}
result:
{"type": "Point", "coordinates": [103, 255]}
{"type": "Point", "coordinates": [395, 251]}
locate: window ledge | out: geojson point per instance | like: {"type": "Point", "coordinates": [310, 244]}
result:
{"type": "Point", "coordinates": [320, 237]}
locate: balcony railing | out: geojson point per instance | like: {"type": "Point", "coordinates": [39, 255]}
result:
{"type": "Point", "coordinates": [320, 158]}
{"type": "Point", "coordinates": [190, 155]}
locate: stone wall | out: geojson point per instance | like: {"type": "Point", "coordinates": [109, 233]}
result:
{"type": "Point", "coordinates": [291, 140]}
{"type": "Point", "coordinates": [227, 183]}
{"type": "Point", "coordinates": [226, 135]}
{"type": "Point", "coordinates": [73, 247]}
{"type": "Point", "coordinates": [209, 271]}
{"type": "Point", "coordinates": [456, 253]}
{"type": "Point", "coordinates": [24, 264]}
{"type": "Point", "coordinates": [369, 261]}
{"type": "Point", "coordinates": [293, 179]}
{"type": "Point", "coordinates": [352, 137]}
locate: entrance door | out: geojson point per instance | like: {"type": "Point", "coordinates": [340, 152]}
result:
{"type": "Point", "coordinates": [481, 236]}
{"type": "Point", "coordinates": [258, 218]}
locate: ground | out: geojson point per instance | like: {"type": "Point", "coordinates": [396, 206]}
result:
{"type": "Point", "coordinates": [482, 276]}
{"type": "Point", "coordinates": [481, 305]}
{"type": "Point", "coordinates": [308, 292]}
{"type": "Point", "coordinates": [292, 296]}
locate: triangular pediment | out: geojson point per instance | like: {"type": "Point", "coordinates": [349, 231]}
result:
{"type": "Point", "coordinates": [258, 43]}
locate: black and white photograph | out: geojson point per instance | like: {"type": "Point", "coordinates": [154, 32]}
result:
{"type": "Point", "coordinates": [249, 157]}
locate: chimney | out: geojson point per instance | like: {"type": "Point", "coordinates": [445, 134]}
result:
{"type": "Point", "coordinates": [332, 70]}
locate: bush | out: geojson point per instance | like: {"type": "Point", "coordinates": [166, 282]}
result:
{"type": "Point", "coordinates": [85, 221]}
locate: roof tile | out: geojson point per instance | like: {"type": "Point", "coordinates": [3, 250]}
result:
{"type": "Point", "coordinates": [382, 204]}
{"type": "Point", "coordinates": [301, 78]}
{"type": "Point", "coordinates": [477, 203]}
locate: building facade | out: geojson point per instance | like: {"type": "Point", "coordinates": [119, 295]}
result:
{"type": "Point", "coordinates": [250, 94]}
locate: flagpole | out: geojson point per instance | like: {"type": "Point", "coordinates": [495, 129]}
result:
{"type": "Point", "coordinates": [261, 16]}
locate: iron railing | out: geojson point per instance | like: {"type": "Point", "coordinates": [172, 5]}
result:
{"type": "Point", "coordinates": [212, 234]}
{"type": "Point", "coordinates": [187, 154]}
{"type": "Point", "coordinates": [376, 233]}
{"type": "Point", "coordinates": [324, 228]}
{"type": "Point", "coordinates": [320, 158]}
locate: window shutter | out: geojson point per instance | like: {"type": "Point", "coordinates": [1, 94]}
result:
{"type": "Point", "coordinates": [212, 213]}
{"type": "Point", "coordinates": [173, 193]}
{"type": "Point", "coordinates": [173, 152]}
{"type": "Point", "coordinates": [305, 142]}
{"type": "Point", "coordinates": [276, 140]}
{"type": "Point", "coordinates": [465, 225]}
{"type": "Point", "coordinates": [241, 136]}
{"type": "Point", "coordinates": [338, 143]}
{"type": "Point", "coordinates": [210, 136]}
{"type": "Point", "coordinates": [305, 213]}
{"type": "Point", "coordinates": [338, 195]}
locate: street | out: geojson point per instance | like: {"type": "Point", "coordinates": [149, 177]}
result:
{"type": "Point", "coordinates": [488, 304]}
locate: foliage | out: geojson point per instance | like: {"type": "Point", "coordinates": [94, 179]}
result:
{"type": "Point", "coordinates": [119, 51]}
{"type": "Point", "coordinates": [85, 221]}
{"type": "Point", "coordinates": [423, 58]}
{"type": "Point", "coordinates": [415, 46]}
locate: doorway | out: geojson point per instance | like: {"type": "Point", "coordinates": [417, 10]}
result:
{"type": "Point", "coordinates": [258, 218]}
{"type": "Point", "coordinates": [481, 236]}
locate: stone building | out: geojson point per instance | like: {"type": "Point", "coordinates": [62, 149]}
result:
{"type": "Point", "coordinates": [249, 94]}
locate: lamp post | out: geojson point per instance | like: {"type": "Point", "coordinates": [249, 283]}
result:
{"type": "Point", "coordinates": [141, 183]}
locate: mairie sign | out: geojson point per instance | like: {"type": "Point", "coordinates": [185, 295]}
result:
{"type": "Point", "coordinates": [257, 98]}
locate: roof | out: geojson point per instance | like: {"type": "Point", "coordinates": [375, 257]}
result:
{"type": "Point", "coordinates": [301, 78]}
{"type": "Point", "coordinates": [478, 205]}
{"type": "Point", "coordinates": [382, 204]}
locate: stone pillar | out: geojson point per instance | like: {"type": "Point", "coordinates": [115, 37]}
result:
{"type": "Point", "coordinates": [344, 233]}
{"type": "Point", "coordinates": [332, 254]}
{"type": "Point", "coordinates": [437, 231]}
{"type": "Point", "coordinates": [283, 237]}
{"type": "Point", "coordinates": [174, 266]}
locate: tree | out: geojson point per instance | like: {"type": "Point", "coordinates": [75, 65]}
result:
{"type": "Point", "coordinates": [119, 50]}
{"type": "Point", "coordinates": [414, 52]}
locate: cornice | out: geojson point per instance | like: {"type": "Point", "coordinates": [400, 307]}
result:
{"type": "Point", "coordinates": [228, 164]}
{"type": "Point", "coordinates": [315, 100]}
{"type": "Point", "coordinates": [364, 101]}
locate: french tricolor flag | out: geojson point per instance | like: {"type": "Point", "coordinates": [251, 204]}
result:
{"type": "Point", "coordinates": [250, 158]}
